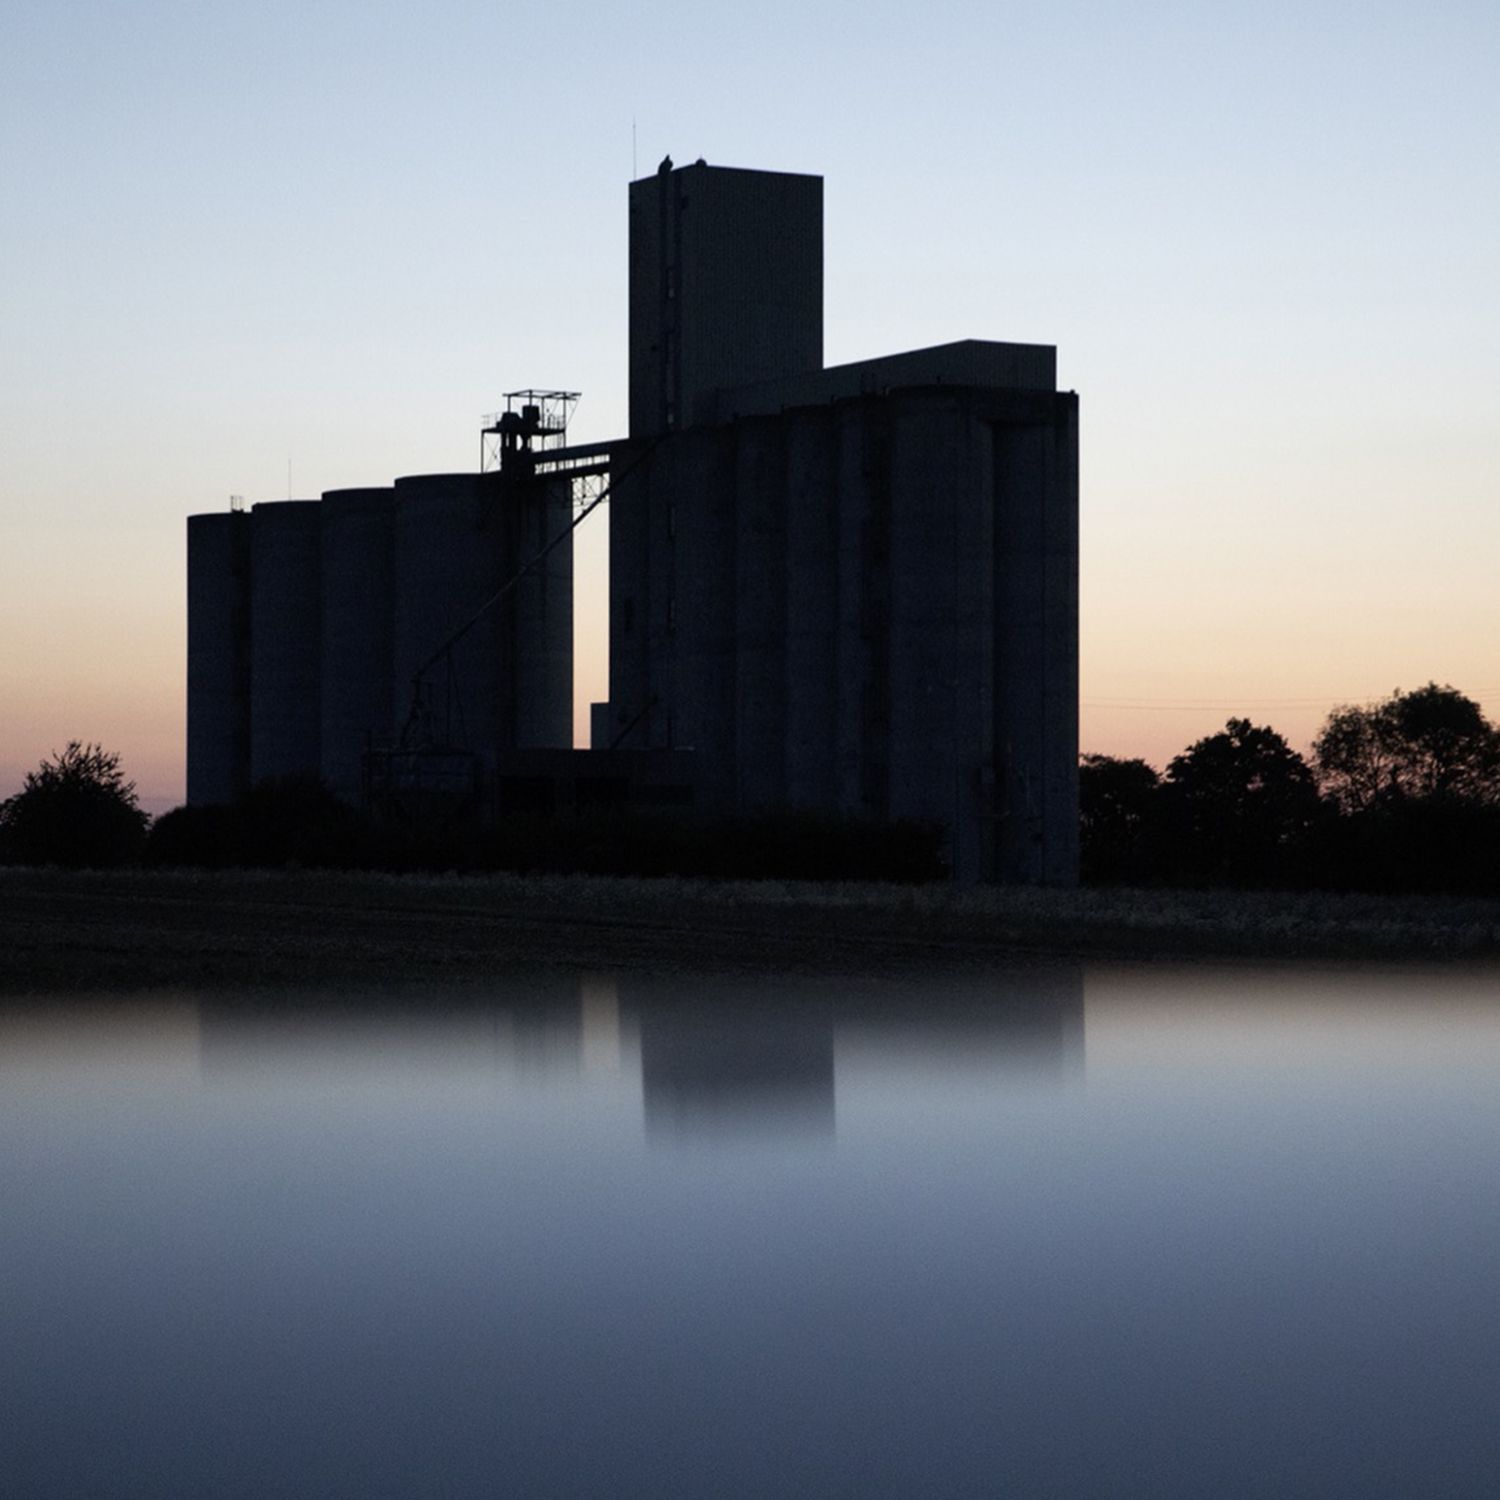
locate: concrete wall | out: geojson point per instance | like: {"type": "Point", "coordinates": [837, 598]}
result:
{"type": "Point", "coordinates": [357, 579]}
{"type": "Point", "coordinates": [939, 620]}
{"type": "Point", "coordinates": [623, 713]}
{"type": "Point", "coordinates": [868, 606]}
{"type": "Point", "coordinates": [448, 562]}
{"type": "Point", "coordinates": [537, 619]}
{"type": "Point", "coordinates": [307, 623]}
{"type": "Point", "coordinates": [1036, 661]}
{"type": "Point", "coordinates": [285, 639]}
{"type": "Point", "coordinates": [726, 286]}
{"type": "Point", "coordinates": [759, 595]}
{"type": "Point", "coordinates": [218, 657]}
{"type": "Point", "coordinates": [810, 610]}
{"type": "Point", "coordinates": [507, 682]}
{"type": "Point", "coordinates": [967, 362]}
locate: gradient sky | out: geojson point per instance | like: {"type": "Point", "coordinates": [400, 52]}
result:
{"type": "Point", "coordinates": [326, 236]}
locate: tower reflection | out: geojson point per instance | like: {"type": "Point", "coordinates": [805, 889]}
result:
{"type": "Point", "coordinates": [714, 1059]}
{"type": "Point", "coordinates": [720, 1060]}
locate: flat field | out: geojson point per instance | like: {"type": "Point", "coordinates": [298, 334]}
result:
{"type": "Point", "coordinates": [61, 928]}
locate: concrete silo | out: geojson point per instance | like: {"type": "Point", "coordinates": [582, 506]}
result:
{"type": "Point", "coordinates": [285, 639]}
{"type": "Point", "coordinates": [726, 286]}
{"type": "Point", "coordinates": [357, 546]}
{"type": "Point", "coordinates": [448, 563]}
{"type": "Point", "coordinates": [218, 657]}
{"type": "Point", "coordinates": [812, 608]}
{"type": "Point", "coordinates": [1036, 637]}
{"type": "Point", "coordinates": [847, 590]}
{"type": "Point", "coordinates": [482, 637]}
{"type": "Point", "coordinates": [866, 606]}
{"type": "Point", "coordinates": [536, 616]}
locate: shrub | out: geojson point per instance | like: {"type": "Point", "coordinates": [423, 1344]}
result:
{"type": "Point", "coordinates": [76, 809]}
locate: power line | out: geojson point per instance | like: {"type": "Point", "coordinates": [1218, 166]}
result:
{"type": "Point", "coordinates": [1193, 705]}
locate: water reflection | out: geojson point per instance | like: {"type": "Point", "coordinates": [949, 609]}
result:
{"type": "Point", "coordinates": [703, 1060]}
{"type": "Point", "coordinates": [421, 1242]}
{"type": "Point", "coordinates": [530, 1031]}
{"type": "Point", "coordinates": [706, 1061]}
{"type": "Point", "coordinates": [709, 1065]}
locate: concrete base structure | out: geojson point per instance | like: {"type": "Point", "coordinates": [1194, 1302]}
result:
{"type": "Point", "coordinates": [218, 657]}
{"type": "Point", "coordinates": [418, 613]}
{"type": "Point", "coordinates": [357, 552]}
{"type": "Point", "coordinates": [847, 591]}
{"type": "Point", "coordinates": [286, 625]}
{"type": "Point", "coordinates": [867, 607]}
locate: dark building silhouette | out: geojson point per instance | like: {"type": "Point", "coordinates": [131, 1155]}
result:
{"type": "Point", "coordinates": [848, 590]}
{"type": "Point", "coordinates": [719, 1059]}
{"type": "Point", "coordinates": [372, 627]}
{"type": "Point", "coordinates": [726, 286]}
{"type": "Point", "coordinates": [218, 657]}
{"type": "Point", "coordinates": [705, 1068]}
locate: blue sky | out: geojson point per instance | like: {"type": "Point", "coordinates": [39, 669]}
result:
{"type": "Point", "coordinates": [1265, 240]}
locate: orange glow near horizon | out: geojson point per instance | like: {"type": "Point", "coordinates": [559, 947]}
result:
{"type": "Point", "coordinates": [1163, 663]}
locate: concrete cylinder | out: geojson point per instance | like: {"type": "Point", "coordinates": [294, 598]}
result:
{"type": "Point", "coordinates": [633, 479]}
{"type": "Point", "coordinates": [447, 564]}
{"type": "Point", "coordinates": [218, 657]}
{"type": "Point", "coordinates": [811, 608]}
{"type": "Point", "coordinates": [695, 623]}
{"type": "Point", "coordinates": [358, 602]}
{"type": "Point", "coordinates": [1036, 648]}
{"type": "Point", "coordinates": [861, 749]}
{"type": "Point", "coordinates": [760, 594]}
{"type": "Point", "coordinates": [930, 670]}
{"type": "Point", "coordinates": [538, 614]}
{"type": "Point", "coordinates": [285, 639]}
{"type": "Point", "coordinates": [942, 631]}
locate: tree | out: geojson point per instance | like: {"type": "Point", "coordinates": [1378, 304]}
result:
{"type": "Point", "coordinates": [1430, 743]}
{"type": "Point", "coordinates": [76, 809]}
{"type": "Point", "coordinates": [1117, 806]}
{"type": "Point", "coordinates": [1239, 805]}
{"type": "Point", "coordinates": [1417, 779]}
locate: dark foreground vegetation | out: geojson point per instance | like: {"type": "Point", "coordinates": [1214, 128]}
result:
{"type": "Point", "coordinates": [1399, 796]}
{"type": "Point", "coordinates": [300, 823]}
{"type": "Point", "coordinates": [102, 930]}
{"type": "Point", "coordinates": [78, 812]}
{"type": "Point", "coordinates": [75, 810]}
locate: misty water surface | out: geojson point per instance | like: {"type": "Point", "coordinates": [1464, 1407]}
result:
{"type": "Point", "coordinates": [1046, 1232]}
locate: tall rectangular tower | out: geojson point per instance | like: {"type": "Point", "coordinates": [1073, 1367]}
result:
{"type": "Point", "coordinates": [726, 286]}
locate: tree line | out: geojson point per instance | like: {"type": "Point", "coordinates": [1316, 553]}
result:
{"type": "Point", "coordinates": [78, 810]}
{"type": "Point", "coordinates": [1399, 795]}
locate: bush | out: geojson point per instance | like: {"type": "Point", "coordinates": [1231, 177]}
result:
{"type": "Point", "coordinates": [770, 846]}
{"type": "Point", "coordinates": [76, 809]}
{"type": "Point", "coordinates": [1436, 845]}
{"type": "Point", "coordinates": [302, 823]}
{"type": "Point", "coordinates": [1119, 812]}
{"type": "Point", "coordinates": [292, 821]}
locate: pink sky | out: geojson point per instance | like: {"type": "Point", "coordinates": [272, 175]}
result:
{"type": "Point", "coordinates": [1264, 242]}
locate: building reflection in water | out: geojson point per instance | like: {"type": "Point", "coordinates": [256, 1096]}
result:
{"type": "Point", "coordinates": [1020, 1024]}
{"type": "Point", "coordinates": [748, 1058]}
{"type": "Point", "coordinates": [150, 1039]}
{"type": "Point", "coordinates": [716, 1061]}
{"type": "Point", "coordinates": [708, 1058]}
{"type": "Point", "coordinates": [525, 1030]}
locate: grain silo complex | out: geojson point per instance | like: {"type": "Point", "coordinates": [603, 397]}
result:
{"type": "Point", "coordinates": [847, 589]}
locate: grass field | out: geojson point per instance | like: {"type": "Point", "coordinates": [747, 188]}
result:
{"type": "Point", "coordinates": [61, 928]}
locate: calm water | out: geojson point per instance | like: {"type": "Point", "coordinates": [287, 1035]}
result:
{"type": "Point", "coordinates": [1138, 1231]}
